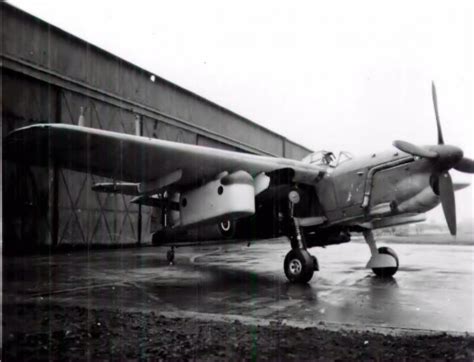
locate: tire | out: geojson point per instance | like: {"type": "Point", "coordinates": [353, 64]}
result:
{"type": "Point", "coordinates": [386, 272]}
{"type": "Point", "coordinates": [315, 263]}
{"type": "Point", "coordinates": [299, 266]}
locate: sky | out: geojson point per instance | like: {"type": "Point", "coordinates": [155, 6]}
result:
{"type": "Point", "coordinates": [338, 75]}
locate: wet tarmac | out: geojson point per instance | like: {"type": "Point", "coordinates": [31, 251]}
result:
{"type": "Point", "coordinates": [433, 289]}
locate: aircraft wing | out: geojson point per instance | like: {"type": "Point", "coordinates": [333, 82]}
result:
{"type": "Point", "coordinates": [139, 159]}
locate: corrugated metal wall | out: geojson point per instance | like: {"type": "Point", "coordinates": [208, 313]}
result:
{"type": "Point", "coordinates": [48, 76]}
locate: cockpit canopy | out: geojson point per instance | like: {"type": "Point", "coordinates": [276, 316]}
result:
{"type": "Point", "coordinates": [327, 158]}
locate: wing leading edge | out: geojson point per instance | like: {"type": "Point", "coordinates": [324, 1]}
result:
{"type": "Point", "coordinates": [138, 159]}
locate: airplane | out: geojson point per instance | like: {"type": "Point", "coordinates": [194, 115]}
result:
{"type": "Point", "coordinates": [318, 201]}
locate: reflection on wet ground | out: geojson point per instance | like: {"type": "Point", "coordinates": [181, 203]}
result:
{"type": "Point", "coordinates": [432, 290]}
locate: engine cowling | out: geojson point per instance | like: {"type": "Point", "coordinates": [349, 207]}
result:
{"type": "Point", "coordinates": [421, 202]}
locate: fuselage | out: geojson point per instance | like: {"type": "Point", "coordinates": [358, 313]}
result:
{"type": "Point", "coordinates": [376, 186]}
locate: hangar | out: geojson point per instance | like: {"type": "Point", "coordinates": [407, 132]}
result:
{"type": "Point", "coordinates": [49, 75]}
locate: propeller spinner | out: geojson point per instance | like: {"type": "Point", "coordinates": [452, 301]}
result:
{"type": "Point", "coordinates": [446, 157]}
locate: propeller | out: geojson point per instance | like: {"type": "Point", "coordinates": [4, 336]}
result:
{"type": "Point", "coordinates": [448, 202]}
{"type": "Point", "coordinates": [438, 123]}
{"type": "Point", "coordinates": [445, 157]}
{"type": "Point", "coordinates": [465, 165]}
{"type": "Point", "coordinates": [414, 149]}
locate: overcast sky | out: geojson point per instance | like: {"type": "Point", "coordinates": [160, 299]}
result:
{"type": "Point", "coordinates": [350, 75]}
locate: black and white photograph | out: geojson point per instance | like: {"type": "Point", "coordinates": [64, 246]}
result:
{"type": "Point", "coordinates": [237, 180]}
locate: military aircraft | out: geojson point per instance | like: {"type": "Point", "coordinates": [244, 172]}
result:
{"type": "Point", "coordinates": [318, 201]}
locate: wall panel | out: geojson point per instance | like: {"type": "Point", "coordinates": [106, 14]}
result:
{"type": "Point", "coordinates": [49, 75]}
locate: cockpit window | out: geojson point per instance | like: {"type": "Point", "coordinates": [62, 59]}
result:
{"type": "Point", "coordinates": [323, 158]}
{"type": "Point", "coordinates": [343, 157]}
{"type": "Point", "coordinates": [327, 158]}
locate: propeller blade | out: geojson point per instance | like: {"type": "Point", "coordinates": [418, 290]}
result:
{"type": "Point", "coordinates": [438, 122]}
{"type": "Point", "coordinates": [446, 194]}
{"type": "Point", "coordinates": [465, 165]}
{"type": "Point", "coordinates": [414, 150]}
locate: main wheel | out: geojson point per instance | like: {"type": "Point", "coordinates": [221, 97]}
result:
{"type": "Point", "coordinates": [386, 272]}
{"type": "Point", "coordinates": [299, 266]}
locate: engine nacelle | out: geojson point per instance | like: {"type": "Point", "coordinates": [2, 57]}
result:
{"type": "Point", "coordinates": [229, 197]}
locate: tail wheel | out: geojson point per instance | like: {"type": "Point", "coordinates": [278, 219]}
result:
{"type": "Point", "coordinates": [299, 266]}
{"type": "Point", "coordinates": [386, 272]}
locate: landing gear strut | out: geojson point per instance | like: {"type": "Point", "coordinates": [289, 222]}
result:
{"type": "Point", "coordinates": [299, 264]}
{"type": "Point", "coordinates": [384, 261]}
{"type": "Point", "coordinates": [170, 256]}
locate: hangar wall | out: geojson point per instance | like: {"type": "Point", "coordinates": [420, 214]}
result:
{"type": "Point", "coordinates": [49, 75]}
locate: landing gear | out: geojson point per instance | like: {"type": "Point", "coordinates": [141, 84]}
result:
{"type": "Point", "coordinates": [384, 261]}
{"type": "Point", "coordinates": [299, 264]}
{"type": "Point", "coordinates": [389, 271]}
